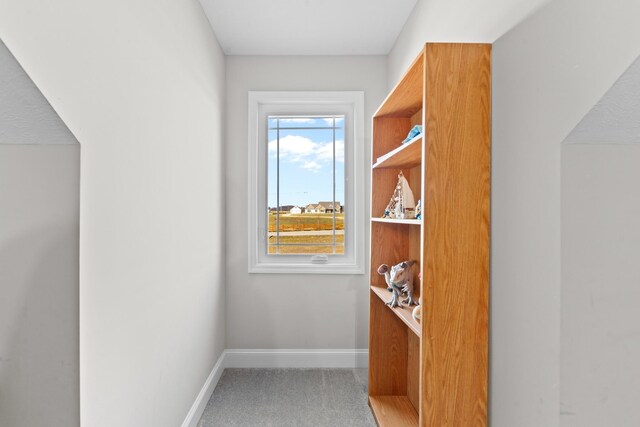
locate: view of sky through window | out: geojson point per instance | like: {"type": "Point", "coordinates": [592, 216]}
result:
{"type": "Point", "coordinates": [305, 179]}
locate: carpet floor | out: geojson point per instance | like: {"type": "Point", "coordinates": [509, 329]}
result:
{"type": "Point", "coordinates": [289, 397]}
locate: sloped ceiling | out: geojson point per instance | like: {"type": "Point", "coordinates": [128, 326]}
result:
{"type": "Point", "coordinates": [615, 119]}
{"type": "Point", "coordinates": [307, 27]}
{"type": "Point", "coordinates": [26, 117]}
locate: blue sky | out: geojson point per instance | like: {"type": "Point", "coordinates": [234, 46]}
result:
{"type": "Point", "coordinates": [306, 161]}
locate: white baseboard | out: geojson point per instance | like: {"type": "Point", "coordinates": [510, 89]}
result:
{"type": "Point", "coordinates": [205, 393]}
{"type": "Point", "coordinates": [280, 358]}
{"type": "Point", "coordinates": [269, 358]}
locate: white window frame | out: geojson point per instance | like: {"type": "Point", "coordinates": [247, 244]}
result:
{"type": "Point", "coordinates": [349, 103]}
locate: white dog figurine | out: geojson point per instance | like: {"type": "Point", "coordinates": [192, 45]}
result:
{"type": "Point", "coordinates": [400, 279]}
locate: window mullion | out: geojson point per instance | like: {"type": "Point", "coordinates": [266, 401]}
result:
{"type": "Point", "coordinates": [277, 186]}
{"type": "Point", "coordinates": [334, 185]}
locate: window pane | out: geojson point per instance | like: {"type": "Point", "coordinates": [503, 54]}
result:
{"type": "Point", "coordinates": [305, 185]}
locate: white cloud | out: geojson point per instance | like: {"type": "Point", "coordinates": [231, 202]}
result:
{"type": "Point", "coordinates": [311, 155]}
{"type": "Point", "coordinates": [293, 147]}
{"type": "Point", "coordinates": [312, 166]}
{"type": "Point", "coordinates": [325, 151]}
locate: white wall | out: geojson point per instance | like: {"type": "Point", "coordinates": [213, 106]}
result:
{"type": "Point", "coordinates": [291, 311]}
{"type": "Point", "coordinates": [600, 293]}
{"type": "Point", "coordinates": [600, 376]}
{"type": "Point", "coordinates": [547, 72]}
{"type": "Point", "coordinates": [141, 85]}
{"type": "Point", "coordinates": [39, 257]}
{"type": "Point", "coordinates": [455, 21]}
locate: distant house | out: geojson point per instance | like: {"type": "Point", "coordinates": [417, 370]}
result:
{"type": "Point", "coordinates": [330, 207]}
{"type": "Point", "coordinates": [295, 210]}
{"type": "Point", "coordinates": [311, 208]}
{"type": "Point", "coordinates": [323, 207]}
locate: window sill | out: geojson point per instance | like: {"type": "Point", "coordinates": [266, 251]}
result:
{"type": "Point", "coordinates": [281, 268]}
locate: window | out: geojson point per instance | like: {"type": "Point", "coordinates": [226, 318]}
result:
{"type": "Point", "coordinates": [306, 182]}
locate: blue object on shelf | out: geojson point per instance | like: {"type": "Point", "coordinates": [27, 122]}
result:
{"type": "Point", "coordinates": [415, 131]}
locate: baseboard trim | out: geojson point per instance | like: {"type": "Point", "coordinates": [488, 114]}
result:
{"type": "Point", "coordinates": [296, 358]}
{"type": "Point", "coordinates": [195, 413]}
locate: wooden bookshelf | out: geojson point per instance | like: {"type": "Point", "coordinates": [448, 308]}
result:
{"type": "Point", "coordinates": [433, 372]}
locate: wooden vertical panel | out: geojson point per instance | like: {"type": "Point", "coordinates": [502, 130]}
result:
{"type": "Point", "coordinates": [384, 181]}
{"type": "Point", "coordinates": [414, 177]}
{"type": "Point", "coordinates": [390, 245]}
{"type": "Point", "coordinates": [413, 369]}
{"type": "Point", "coordinates": [455, 323]}
{"type": "Point", "coordinates": [415, 254]}
{"type": "Point", "coordinates": [389, 134]}
{"type": "Point", "coordinates": [387, 351]}
{"type": "Point", "coordinates": [416, 119]}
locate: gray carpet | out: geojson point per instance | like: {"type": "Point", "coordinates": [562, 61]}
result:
{"type": "Point", "coordinates": [289, 397]}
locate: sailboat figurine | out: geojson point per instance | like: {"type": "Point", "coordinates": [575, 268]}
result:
{"type": "Point", "coordinates": [402, 203]}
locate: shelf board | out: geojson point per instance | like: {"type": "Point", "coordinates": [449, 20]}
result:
{"type": "Point", "coordinates": [407, 155]}
{"type": "Point", "coordinates": [404, 312]}
{"type": "Point", "coordinates": [398, 221]}
{"type": "Point", "coordinates": [394, 411]}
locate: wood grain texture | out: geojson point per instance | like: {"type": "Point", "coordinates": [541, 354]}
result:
{"type": "Point", "coordinates": [403, 313]}
{"type": "Point", "coordinates": [390, 132]}
{"type": "Point", "coordinates": [393, 411]}
{"type": "Point", "coordinates": [390, 245]}
{"type": "Point", "coordinates": [405, 156]}
{"type": "Point", "coordinates": [456, 235]}
{"type": "Point", "coordinates": [414, 178]}
{"type": "Point", "coordinates": [413, 369]}
{"type": "Point", "coordinates": [416, 119]}
{"type": "Point", "coordinates": [384, 182]}
{"type": "Point", "coordinates": [387, 351]}
{"type": "Point", "coordinates": [406, 97]}
{"type": "Point", "coordinates": [388, 136]}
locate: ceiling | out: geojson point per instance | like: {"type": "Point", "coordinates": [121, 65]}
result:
{"type": "Point", "coordinates": [307, 27]}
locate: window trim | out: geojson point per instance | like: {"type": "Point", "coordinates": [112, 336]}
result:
{"type": "Point", "coordinates": [350, 103]}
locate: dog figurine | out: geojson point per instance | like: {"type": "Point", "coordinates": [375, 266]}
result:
{"type": "Point", "coordinates": [399, 280]}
